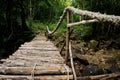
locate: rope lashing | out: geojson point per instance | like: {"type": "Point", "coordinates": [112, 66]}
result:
{"type": "Point", "coordinates": [33, 71]}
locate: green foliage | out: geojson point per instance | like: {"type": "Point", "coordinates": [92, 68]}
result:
{"type": "Point", "coordinates": [106, 6]}
{"type": "Point", "coordinates": [47, 12]}
{"type": "Point", "coordinates": [83, 30]}
{"type": "Point", "coordinates": [68, 3]}
{"type": "Point", "coordinates": [61, 29]}
{"type": "Point", "coordinates": [35, 25]}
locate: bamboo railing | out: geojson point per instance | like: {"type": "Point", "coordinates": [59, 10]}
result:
{"type": "Point", "coordinates": [95, 17]}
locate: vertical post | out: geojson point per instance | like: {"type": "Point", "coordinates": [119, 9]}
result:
{"type": "Point", "coordinates": [67, 37]}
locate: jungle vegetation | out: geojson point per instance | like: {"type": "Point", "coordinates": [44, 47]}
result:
{"type": "Point", "coordinates": [20, 19]}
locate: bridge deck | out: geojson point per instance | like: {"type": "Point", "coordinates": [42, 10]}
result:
{"type": "Point", "coordinates": [38, 59]}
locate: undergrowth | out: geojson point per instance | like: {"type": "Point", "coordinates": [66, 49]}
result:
{"type": "Point", "coordinates": [81, 31]}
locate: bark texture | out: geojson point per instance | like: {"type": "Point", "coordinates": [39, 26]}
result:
{"type": "Point", "coordinates": [96, 15]}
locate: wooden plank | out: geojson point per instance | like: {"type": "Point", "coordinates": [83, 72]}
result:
{"type": "Point", "coordinates": [43, 77]}
{"type": "Point", "coordinates": [29, 63]}
{"type": "Point", "coordinates": [49, 69]}
{"type": "Point", "coordinates": [42, 49]}
{"type": "Point", "coordinates": [37, 41]}
{"type": "Point", "coordinates": [37, 52]}
{"type": "Point", "coordinates": [36, 55]}
{"type": "Point", "coordinates": [36, 60]}
{"type": "Point", "coordinates": [53, 52]}
{"type": "Point", "coordinates": [39, 48]}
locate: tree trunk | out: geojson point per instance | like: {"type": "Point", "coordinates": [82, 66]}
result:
{"type": "Point", "coordinates": [23, 17]}
{"type": "Point", "coordinates": [8, 15]}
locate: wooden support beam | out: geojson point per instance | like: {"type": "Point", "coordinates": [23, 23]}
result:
{"type": "Point", "coordinates": [67, 37]}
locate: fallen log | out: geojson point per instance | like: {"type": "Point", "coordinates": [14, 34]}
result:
{"type": "Point", "coordinates": [100, 77]}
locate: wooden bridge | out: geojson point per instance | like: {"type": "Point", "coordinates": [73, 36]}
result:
{"type": "Point", "coordinates": [39, 59]}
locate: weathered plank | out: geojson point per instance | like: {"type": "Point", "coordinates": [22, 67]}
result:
{"type": "Point", "coordinates": [36, 61]}
{"type": "Point", "coordinates": [39, 42]}
{"type": "Point", "coordinates": [28, 64]}
{"type": "Point", "coordinates": [45, 77]}
{"type": "Point", "coordinates": [48, 69]}
{"type": "Point", "coordinates": [53, 52]}
{"type": "Point", "coordinates": [23, 63]}
{"type": "Point", "coordinates": [28, 45]}
{"type": "Point", "coordinates": [39, 48]}
{"type": "Point", "coordinates": [42, 54]}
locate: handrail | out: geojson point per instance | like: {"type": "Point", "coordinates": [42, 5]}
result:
{"type": "Point", "coordinates": [58, 24]}
{"type": "Point", "coordinates": [82, 22]}
{"type": "Point", "coordinates": [95, 17]}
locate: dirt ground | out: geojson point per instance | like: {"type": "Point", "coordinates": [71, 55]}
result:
{"type": "Point", "coordinates": [94, 57]}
